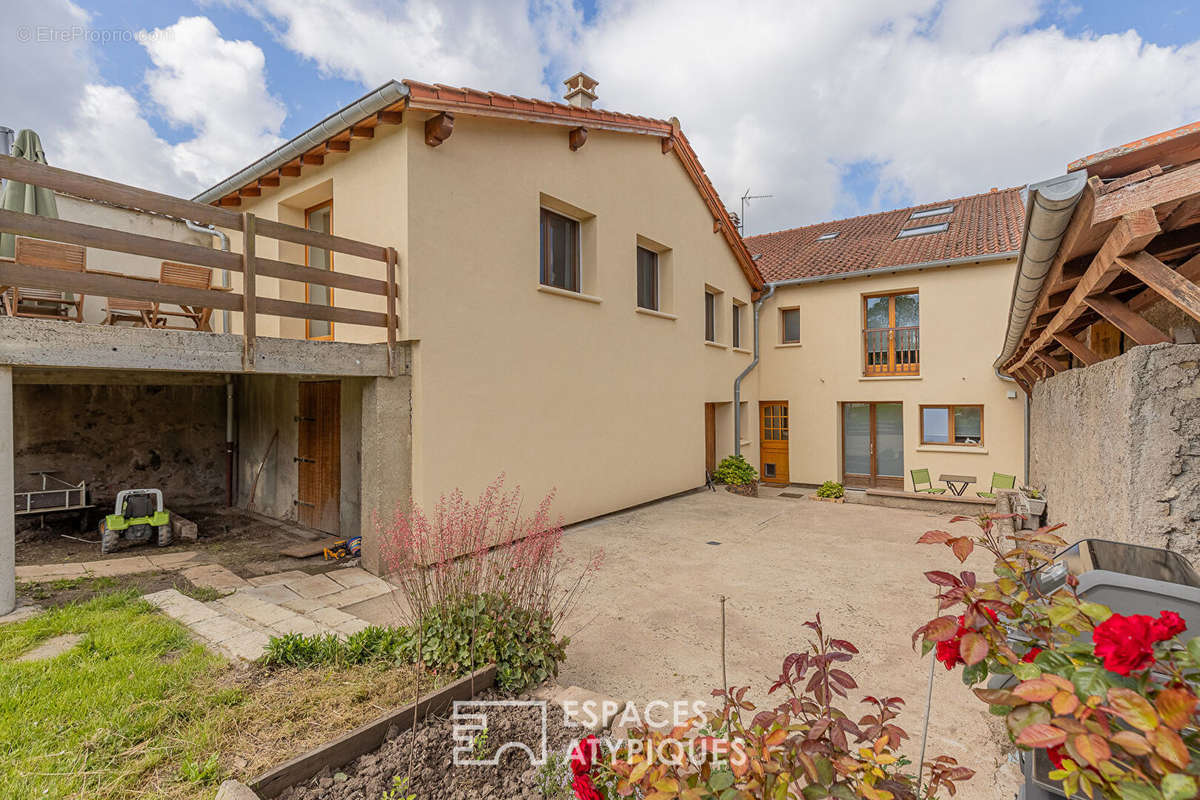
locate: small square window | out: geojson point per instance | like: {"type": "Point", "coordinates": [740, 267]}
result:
{"type": "Point", "coordinates": [647, 279]}
{"type": "Point", "coordinates": [559, 251]}
{"type": "Point", "coordinates": [710, 317]}
{"type": "Point", "coordinates": [768, 470]}
{"type": "Point", "coordinates": [790, 323]}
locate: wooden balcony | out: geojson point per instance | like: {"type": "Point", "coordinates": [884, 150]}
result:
{"type": "Point", "coordinates": [891, 351]}
{"type": "Point", "coordinates": [248, 304]}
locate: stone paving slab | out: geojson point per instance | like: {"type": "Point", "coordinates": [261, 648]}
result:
{"type": "Point", "coordinates": [179, 606]}
{"type": "Point", "coordinates": [274, 593]}
{"type": "Point", "coordinates": [248, 646]}
{"type": "Point", "coordinates": [330, 617]}
{"type": "Point", "coordinates": [120, 566]}
{"type": "Point", "coordinates": [54, 646]}
{"type": "Point", "coordinates": [314, 586]}
{"type": "Point", "coordinates": [252, 608]}
{"type": "Point", "coordinates": [353, 626]}
{"type": "Point", "coordinates": [299, 624]}
{"type": "Point", "coordinates": [20, 613]}
{"type": "Point", "coordinates": [276, 578]}
{"type": "Point", "coordinates": [351, 577]}
{"type": "Point", "coordinates": [219, 629]}
{"type": "Point", "coordinates": [214, 576]}
{"type": "Point", "coordinates": [173, 561]}
{"type": "Point", "coordinates": [303, 605]}
{"type": "Point", "coordinates": [40, 573]}
{"type": "Point", "coordinates": [357, 594]}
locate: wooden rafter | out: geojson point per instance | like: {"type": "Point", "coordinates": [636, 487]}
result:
{"type": "Point", "coordinates": [362, 132]}
{"type": "Point", "coordinates": [1129, 321]}
{"type": "Point", "coordinates": [1077, 348]}
{"type": "Point", "coordinates": [1182, 214]}
{"type": "Point", "coordinates": [1131, 234]}
{"type": "Point", "coordinates": [1051, 362]}
{"type": "Point", "coordinates": [438, 128]}
{"type": "Point", "coordinates": [290, 170]}
{"type": "Point", "coordinates": [338, 145]}
{"type": "Point", "coordinates": [389, 117]}
{"type": "Point", "coordinates": [1178, 184]}
{"type": "Point", "coordinates": [315, 159]}
{"type": "Point", "coordinates": [1173, 287]}
{"type": "Point", "coordinates": [1190, 270]}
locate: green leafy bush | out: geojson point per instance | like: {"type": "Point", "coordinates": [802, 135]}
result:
{"type": "Point", "coordinates": [831, 489]}
{"type": "Point", "coordinates": [735, 471]}
{"type": "Point", "coordinates": [521, 643]}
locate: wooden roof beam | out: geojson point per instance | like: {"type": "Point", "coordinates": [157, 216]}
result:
{"type": "Point", "coordinates": [1051, 362]}
{"type": "Point", "coordinates": [290, 170]}
{"type": "Point", "coordinates": [269, 180]}
{"type": "Point", "coordinates": [316, 159]}
{"type": "Point", "coordinates": [438, 128]}
{"type": "Point", "coordinates": [362, 132]}
{"type": "Point", "coordinates": [1129, 321]}
{"type": "Point", "coordinates": [338, 145]}
{"type": "Point", "coordinates": [1182, 214]}
{"type": "Point", "coordinates": [1173, 287]}
{"type": "Point", "coordinates": [1077, 348]}
{"type": "Point", "coordinates": [1178, 184]}
{"type": "Point", "coordinates": [1131, 234]}
{"type": "Point", "coordinates": [232, 200]}
{"type": "Point", "coordinates": [1190, 270]}
{"type": "Point", "coordinates": [389, 117]}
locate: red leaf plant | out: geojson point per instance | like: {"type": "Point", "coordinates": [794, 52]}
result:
{"type": "Point", "coordinates": [805, 746]}
{"type": "Point", "coordinates": [1112, 699]}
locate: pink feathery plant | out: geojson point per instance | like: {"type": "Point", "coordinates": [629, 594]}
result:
{"type": "Point", "coordinates": [466, 549]}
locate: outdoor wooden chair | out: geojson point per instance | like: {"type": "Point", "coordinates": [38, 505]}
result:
{"type": "Point", "coordinates": [921, 476]}
{"type": "Point", "coordinates": [46, 303]}
{"type": "Point", "coordinates": [139, 312]}
{"type": "Point", "coordinates": [191, 317]}
{"type": "Point", "coordinates": [999, 481]}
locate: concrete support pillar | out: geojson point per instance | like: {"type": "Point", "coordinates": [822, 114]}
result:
{"type": "Point", "coordinates": [8, 523]}
{"type": "Point", "coordinates": [386, 460]}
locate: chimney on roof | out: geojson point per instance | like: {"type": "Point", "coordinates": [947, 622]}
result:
{"type": "Point", "coordinates": [580, 88]}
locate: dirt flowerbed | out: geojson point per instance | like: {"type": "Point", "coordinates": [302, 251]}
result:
{"type": "Point", "coordinates": [433, 774]}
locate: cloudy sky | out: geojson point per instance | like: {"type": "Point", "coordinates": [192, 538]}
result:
{"type": "Point", "coordinates": [834, 107]}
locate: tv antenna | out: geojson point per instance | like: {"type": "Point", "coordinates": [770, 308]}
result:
{"type": "Point", "coordinates": [747, 197]}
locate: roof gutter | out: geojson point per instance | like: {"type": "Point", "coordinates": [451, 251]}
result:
{"type": "Point", "coordinates": [391, 92]}
{"type": "Point", "coordinates": [1048, 211]}
{"type": "Point", "coordinates": [945, 262]}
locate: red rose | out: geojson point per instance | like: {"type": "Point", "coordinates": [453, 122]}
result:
{"type": "Point", "coordinates": [584, 788]}
{"type": "Point", "coordinates": [1055, 754]}
{"type": "Point", "coordinates": [1031, 655]}
{"type": "Point", "coordinates": [1168, 626]}
{"type": "Point", "coordinates": [947, 652]}
{"type": "Point", "coordinates": [583, 755]}
{"type": "Point", "coordinates": [1127, 643]}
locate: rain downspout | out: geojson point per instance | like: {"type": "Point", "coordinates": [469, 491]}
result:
{"type": "Point", "coordinates": [229, 442]}
{"type": "Point", "coordinates": [737, 382]}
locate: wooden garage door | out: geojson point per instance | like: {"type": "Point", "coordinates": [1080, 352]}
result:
{"type": "Point", "coordinates": [319, 455]}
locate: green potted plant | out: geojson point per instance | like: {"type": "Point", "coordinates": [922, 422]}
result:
{"type": "Point", "coordinates": [1032, 505]}
{"type": "Point", "coordinates": [831, 492]}
{"type": "Point", "coordinates": [738, 475]}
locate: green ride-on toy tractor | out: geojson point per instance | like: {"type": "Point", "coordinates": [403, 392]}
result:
{"type": "Point", "coordinates": [138, 517]}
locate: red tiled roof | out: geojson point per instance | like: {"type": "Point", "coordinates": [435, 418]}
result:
{"type": "Point", "coordinates": [979, 225]}
{"type": "Point", "coordinates": [1176, 146]}
{"type": "Point", "coordinates": [439, 97]}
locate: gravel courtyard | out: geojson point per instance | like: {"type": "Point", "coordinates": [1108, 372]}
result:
{"type": "Point", "coordinates": [649, 627]}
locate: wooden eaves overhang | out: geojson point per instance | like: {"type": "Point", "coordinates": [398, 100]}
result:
{"type": "Point", "coordinates": [446, 101]}
{"type": "Point", "coordinates": [1133, 241]}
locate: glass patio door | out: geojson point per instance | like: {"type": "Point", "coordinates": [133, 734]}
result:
{"type": "Point", "coordinates": [873, 445]}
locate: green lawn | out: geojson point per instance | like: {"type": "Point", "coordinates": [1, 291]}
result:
{"type": "Point", "coordinates": [137, 709]}
{"type": "Point", "coordinates": [91, 721]}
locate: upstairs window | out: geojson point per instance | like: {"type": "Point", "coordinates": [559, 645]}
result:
{"type": "Point", "coordinates": [789, 324]}
{"type": "Point", "coordinates": [560, 251]}
{"type": "Point", "coordinates": [737, 324]}
{"type": "Point", "coordinates": [961, 425]}
{"type": "Point", "coordinates": [710, 317]}
{"type": "Point", "coordinates": [647, 279]}
{"type": "Point", "coordinates": [892, 334]}
{"type": "Point", "coordinates": [825, 237]}
{"type": "Point", "coordinates": [931, 212]}
{"type": "Point", "coordinates": [922, 230]}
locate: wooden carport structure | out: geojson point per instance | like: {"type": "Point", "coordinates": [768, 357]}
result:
{"type": "Point", "coordinates": [1132, 243]}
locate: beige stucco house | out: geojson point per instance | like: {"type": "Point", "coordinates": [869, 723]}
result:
{"type": "Point", "coordinates": [568, 280]}
{"type": "Point", "coordinates": [875, 344]}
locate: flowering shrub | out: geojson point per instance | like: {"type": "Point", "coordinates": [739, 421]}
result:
{"type": "Point", "coordinates": [1111, 699]}
{"type": "Point", "coordinates": [803, 747]}
{"type": "Point", "coordinates": [831, 489]}
{"type": "Point", "coordinates": [484, 583]}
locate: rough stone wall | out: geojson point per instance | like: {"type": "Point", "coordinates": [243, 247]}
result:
{"type": "Point", "coordinates": [1117, 448]}
{"type": "Point", "coordinates": [169, 437]}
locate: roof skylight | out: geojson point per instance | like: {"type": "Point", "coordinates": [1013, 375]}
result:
{"type": "Point", "coordinates": [922, 230]}
{"type": "Point", "coordinates": [932, 212]}
{"type": "Point", "coordinates": [824, 237]}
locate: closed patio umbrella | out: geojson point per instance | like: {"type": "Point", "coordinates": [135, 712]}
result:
{"type": "Point", "coordinates": [22, 197]}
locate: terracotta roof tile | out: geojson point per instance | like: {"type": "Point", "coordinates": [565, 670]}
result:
{"type": "Point", "coordinates": [982, 224]}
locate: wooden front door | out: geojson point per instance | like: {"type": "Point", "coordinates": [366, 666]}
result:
{"type": "Point", "coordinates": [710, 437]}
{"type": "Point", "coordinates": [773, 442]}
{"type": "Point", "coordinates": [320, 455]}
{"type": "Point", "coordinates": [873, 445]}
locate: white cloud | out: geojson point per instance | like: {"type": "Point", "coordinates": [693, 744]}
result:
{"type": "Point", "coordinates": [213, 90]}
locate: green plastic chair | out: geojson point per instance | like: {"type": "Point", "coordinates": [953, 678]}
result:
{"type": "Point", "coordinates": [920, 476]}
{"type": "Point", "coordinates": [999, 481]}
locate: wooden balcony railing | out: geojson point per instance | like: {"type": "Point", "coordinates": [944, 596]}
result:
{"type": "Point", "coordinates": [892, 351]}
{"type": "Point", "coordinates": [249, 303]}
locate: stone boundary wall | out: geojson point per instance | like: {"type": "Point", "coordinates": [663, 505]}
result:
{"type": "Point", "coordinates": [1117, 448]}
